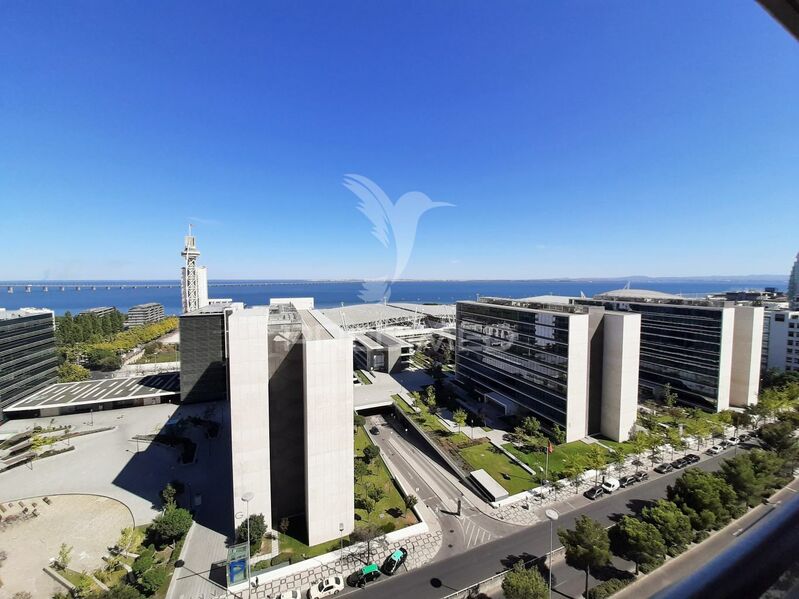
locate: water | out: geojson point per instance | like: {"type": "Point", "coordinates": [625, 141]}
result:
{"type": "Point", "coordinates": [332, 293]}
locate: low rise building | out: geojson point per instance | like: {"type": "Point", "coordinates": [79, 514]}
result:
{"type": "Point", "coordinates": [28, 359]}
{"type": "Point", "coordinates": [144, 314]}
{"type": "Point", "coordinates": [381, 351]}
{"type": "Point", "coordinates": [99, 311]}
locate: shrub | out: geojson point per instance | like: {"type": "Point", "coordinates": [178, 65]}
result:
{"type": "Point", "coordinates": [170, 526]}
{"type": "Point", "coordinates": [608, 588]}
{"type": "Point", "coordinates": [144, 562]}
{"type": "Point", "coordinates": [257, 530]}
{"type": "Point", "coordinates": [388, 527]}
{"type": "Point", "coordinates": [153, 579]}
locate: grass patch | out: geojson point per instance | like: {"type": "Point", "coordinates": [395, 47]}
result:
{"type": "Point", "coordinates": [160, 357]}
{"type": "Point", "coordinates": [365, 380]}
{"type": "Point", "coordinates": [75, 578]}
{"type": "Point", "coordinates": [557, 459]}
{"type": "Point", "coordinates": [506, 472]}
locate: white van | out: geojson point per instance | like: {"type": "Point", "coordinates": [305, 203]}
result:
{"type": "Point", "coordinates": [610, 484]}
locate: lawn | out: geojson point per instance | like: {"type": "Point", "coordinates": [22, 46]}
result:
{"type": "Point", "coordinates": [365, 380]}
{"type": "Point", "coordinates": [388, 513]}
{"type": "Point", "coordinates": [487, 457]}
{"type": "Point", "coordinates": [165, 356]}
{"type": "Point", "coordinates": [557, 459]}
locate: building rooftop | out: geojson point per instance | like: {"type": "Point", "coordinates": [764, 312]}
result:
{"type": "Point", "coordinates": [99, 391]}
{"type": "Point", "coordinates": [216, 308]}
{"type": "Point", "coordinates": [433, 310]}
{"type": "Point", "coordinates": [549, 299]}
{"type": "Point", "coordinates": [644, 294]}
{"type": "Point", "coordinates": [359, 315]}
{"type": "Point", "coordinates": [524, 304]}
{"type": "Point", "coordinates": [22, 313]}
{"type": "Point", "coordinates": [145, 306]}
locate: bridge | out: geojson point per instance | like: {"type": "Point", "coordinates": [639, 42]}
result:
{"type": "Point", "coordinates": [46, 287]}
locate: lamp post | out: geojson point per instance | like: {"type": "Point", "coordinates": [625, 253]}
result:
{"type": "Point", "coordinates": [552, 515]}
{"type": "Point", "coordinates": [246, 498]}
{"type": "Point", "coordinates": [341, 546]}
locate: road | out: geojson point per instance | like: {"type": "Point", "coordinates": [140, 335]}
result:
{"type": "Point", "coordinates": [457, 572]}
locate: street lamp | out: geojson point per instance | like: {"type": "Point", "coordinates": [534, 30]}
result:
{"type": "Point", "coordinates": [341, 546]}
{"type": "Point", "coordinates": [246, 498]}
{"type": "Point", "coordinates": [552, 515]}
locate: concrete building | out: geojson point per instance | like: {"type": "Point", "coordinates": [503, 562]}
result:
{"type": "Point", "coordinates": [708, 351]}
{"type": "Point", "coordinates": [99, 311]}
{"type": "Point", "coordinates": [28, 359]}
{"type": "Point", "coordinates": [381, 351]}
{"type": "Point", "coordinates": [286, 371]}
{"type": "Point", "coordinates": [569, 365]}
{"type": "Point", "coordinates": [783, 340]}
{"type": "Point", "coordinates": [144, 314]}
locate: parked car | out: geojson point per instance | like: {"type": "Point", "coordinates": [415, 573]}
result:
{"type": "Point", "coordinates": [374, 430]}
{"type": "Point", "coordinates": [361, 576]}
{"type": "Point", "coordinates": [715, 450]}
{"type": "Point", "coordinates": [725, 444]}
{"type": "Point", "coordinates": [744, 437]}
{"type": "Point", "coordinates": [691, 458]}
{"type": "Point", "coordinates": [641, 476]}
{"type": "Point", "coordinates": [594, 493]}
{"type": "Point", "coordinates": [326, 588]}
{"type": "Point", "coordinates": [733, 440]}
{"type": "Point", "coordinates": [664, 468]}
{"type": "Point", "coordinates": [289, 595]}
{"type": "Point", "coordinates": [610, 484]}
{"type": "Point", "coordinates": [626, 481]}
{"type": "Point", "coordinates": [394, 561]}
{"type": "Point", "coordinates": [679, 463]}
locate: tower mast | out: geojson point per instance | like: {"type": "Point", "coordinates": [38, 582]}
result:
{"type": "Point", "coordinates": [189, 293]}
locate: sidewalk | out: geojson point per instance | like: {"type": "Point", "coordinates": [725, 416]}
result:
{"type": "Point", "coordinates": [697, 556]}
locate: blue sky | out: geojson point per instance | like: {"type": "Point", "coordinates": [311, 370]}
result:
{"type": "Point", "coordinates": [575, 138]}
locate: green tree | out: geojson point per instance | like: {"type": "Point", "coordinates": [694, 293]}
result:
{"type": "Point", "coordinates": [64, 556]}
{"type": "Point", "coordinates": [257, 531]}
{"type": "Point", "coordinates": [370, 453]}
{"type": "Point", "coordinates": [459, 417]}
{"type": "Point", "coordinates": [740, 420]}
{"type": "Point", "coordinates": [705, 498]}
{"type": "Point", "coordinates": [674, 526]}
{"type": "Point", "coordinates": [358, 420]}
{"type": "Point", "coordinates": [770, 468]}
{"type": "Point", "coordinates": [121, 591]}
{"type": "Point", "coordinates": [170, 526]}
{"type": "Point", "coordinates": [669, 396]}
{"type": "Point", "coordinates": [638, 445]}
{"type": "Point", "coordinates": [618, 458]}
{"type": "Point", "coordinates": [126, 538]}
{"type": "Point", "coordinates": [361, 469]}
{"type": "Point", "coordinates": [72, 373]}
{"type": "Point", "coordinates": [83, 587]}
{"type": "Point", "coordinates": [153, 579]}
{"type": "Point", "coordinates": [524, 583]}
{"type": "Point", "coordinates": [144, 562]}
{"type": "Point", "coordinates": [168, 496]}
{"type": "Point", "coordinates": [637, 541]}
{"type": "Point", "coordinates": [573, 467]}
{"type": "Point", "coordinates": [587, 546]}
{"type": "Point", "coordinates": [740, 474]}
{"type": "Point", "coordinates": [779, 437]}
{"type": "Point", "coordinates": [366, 532]}
{"type": "Point", "coordinates": [596, 458]}
{"type": "Point", "coordinates": [558, 434]}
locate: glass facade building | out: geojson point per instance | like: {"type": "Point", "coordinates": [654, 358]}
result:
{"type": "Point", "coordinates": [519, 350]}
{"type": "Point", "coordinates": [28, 359]}
{"type": "Point", "coordinates": [686, 344]}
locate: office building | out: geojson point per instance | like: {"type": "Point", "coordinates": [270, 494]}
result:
{"type": "Point", "coordinates": [286, 371]}
{"type": "Point", "coordinates": [783, 340]}
{"type": "Point", "coordinates": [28, 359]}
{"type": "Point", "coordinates": [381, 351]}
{"type": "Point", "coordinates": [793, 286]}
{"type": "Point", "coordinates": [100, 311]}
{"type": "Point", "coordinates": [144, 314]}
{"type": "Point", "coordinates": [707, 351]}
{"type": "Point", "coordinates": [568, 365]}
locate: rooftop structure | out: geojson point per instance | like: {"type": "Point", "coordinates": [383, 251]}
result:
{"type": "Point", "coordinates": [68, 398]}
{"type": "Point", "coordinates": [193, 278]}
{"type": "Point", "coordinates": [362, 317]}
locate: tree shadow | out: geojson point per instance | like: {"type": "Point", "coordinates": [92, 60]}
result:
{"type": "Point", "coordinates": [637, 505]}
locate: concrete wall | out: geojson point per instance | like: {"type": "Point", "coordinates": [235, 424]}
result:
{"type": "Point", "coordinates": [725, 358]}
{"type": "Point", "coordinates": [622, 348]}
{"type": "Point", "coordinates": [248, 367]}
{"type": "Point", "coordinates": [329, 440]}
{"type": "Point", "coordinates": [577, 393]}
{"type": "Point", "coordinates": [746, 354]}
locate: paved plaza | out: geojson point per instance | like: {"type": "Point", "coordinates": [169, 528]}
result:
{"type": "Point", "coordinates": [88, 523]}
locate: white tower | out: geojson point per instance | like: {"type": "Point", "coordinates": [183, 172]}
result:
{"type": "Point", "coordinates": [793, 286]}
{"type": "Point", "coordinates": [194, 279]}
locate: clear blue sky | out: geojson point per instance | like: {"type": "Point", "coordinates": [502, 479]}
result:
{"type": "Point", "coordinates": [576, 138]}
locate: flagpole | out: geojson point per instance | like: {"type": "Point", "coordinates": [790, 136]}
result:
{"type": "Point", "coordinates": [546, 467]}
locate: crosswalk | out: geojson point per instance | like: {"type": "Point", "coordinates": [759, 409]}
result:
{"type": "Point", "coordinates": [474, 534]}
